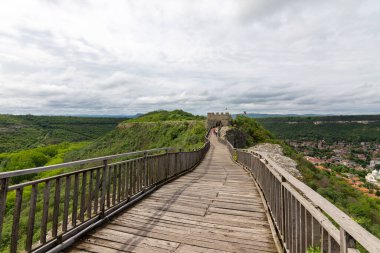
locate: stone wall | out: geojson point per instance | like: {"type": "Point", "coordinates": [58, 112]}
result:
{"type": "Point", "coordinates": [218, 119]}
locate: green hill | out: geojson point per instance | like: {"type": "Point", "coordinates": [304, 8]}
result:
{"type": "Point", "coordinates": [162, 115]}
{"type": "Point", "coordinates": [152, 130]}
{"type": "Point", "coordinates": [19, 132]}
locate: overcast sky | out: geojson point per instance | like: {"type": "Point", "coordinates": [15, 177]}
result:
{"type": "Point", "coordinates": [126, 57]}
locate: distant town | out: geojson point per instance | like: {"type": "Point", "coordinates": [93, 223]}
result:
{"type": "Point", "coordinates": [358, 164]}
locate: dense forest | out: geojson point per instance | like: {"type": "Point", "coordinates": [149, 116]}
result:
{"type": "Point", "coordinates": [19, 132]}
{"type": "Point", "coordinates": [352, 129]}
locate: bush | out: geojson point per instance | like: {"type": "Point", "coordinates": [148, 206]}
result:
{"type": "Point", "coordinates": [247, 132]}
{"type": "Point", "coordinates": [313, 250]}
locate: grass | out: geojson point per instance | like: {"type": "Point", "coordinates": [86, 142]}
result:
{"type": "Point", "coordinates": [162, 115]}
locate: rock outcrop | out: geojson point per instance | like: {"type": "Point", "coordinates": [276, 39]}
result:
{"type": "Point", "coordinates": [275, 153]}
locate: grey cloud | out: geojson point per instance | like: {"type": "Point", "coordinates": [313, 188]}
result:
{"type": "Point", "coordinates": [256, 55]}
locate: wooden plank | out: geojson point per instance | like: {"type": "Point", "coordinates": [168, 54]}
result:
{"type": "Point", "coordinates": [96, 191]}
{"type": "Point", "coordinates": [133, 240]}
{"type": "Point", "coordinates": [45, 212]}
{"type": "Point", "coordinates": [119, 180]}
{"type": "Point", "coordinates": [303, 229]}
{"type": "Point", "coordinates": [316, 233]}
{"type": "Point", "coordinates": [130, 179]}
{"type": "Point", "coordinates": [135, 179]}
{"type": "Point", "coordinates": [90, 195]}
{"type": "Point", "coordinates": [210, 229]}
{"type": "Point", "coordinates": [138, 175]}
{"type": "Point", "coordinates": [201, 234]}
{"type": "Point", "coordinates": [57, 199]}
{"type": "Point", "coordinates": [185, 248]}
{"type": "Point", "coordinates": [16, 221]}
{"type": "Point", "coordinates": [66, 204]}
{"type": "Point", "coordinates": [83, 196]}
{"type": "Point", "coordinates": [196, 222]}
{"type": "Point", "coordinates": [125, 180]}
{"type": "Point", "coordinates": [122, 182]}
{"type": "Point", "coordinates": [114, 184]}
{"type": "Point", "coordinates": [3, 201]}
{"type": "Point", "coordinates": [203, 242]}
{"type": "Point", "coordinates": [104, 187]}
{"type": "Point", "coordinates": [109, 183]}
{"type": "Point", "coordinates": [31, 218]}
{"type": "Point", "coordinates": [75, 200]}
{"type": "Point", "coordinates": [144, 171]}
{"type": "Point", "coordinates": [114, 244]}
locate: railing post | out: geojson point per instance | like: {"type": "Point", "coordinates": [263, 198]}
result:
{"type": "Point", "coordinates": [145, 173]}
{"type": "Point", "coordinates": [346, 241]}
{"type": "Point", "coordinates": [16, 221]}
{"type": "Point", "coordinates": [104, 188]}
{"type": "Point", "coordinates": [167, 163]}
{"type": "Point", "coordinates": [180, 160]}
{"type": "Point", "coordinates": [283, 215]}
{"type": "Point", "coordinates": [3, 201]}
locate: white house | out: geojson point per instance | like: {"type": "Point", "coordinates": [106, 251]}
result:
{"type": "Point", "coordinates": [373, 177]}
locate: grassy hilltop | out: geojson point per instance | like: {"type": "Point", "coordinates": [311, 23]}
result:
{"type": "Point", "coordinates": [152, 130]}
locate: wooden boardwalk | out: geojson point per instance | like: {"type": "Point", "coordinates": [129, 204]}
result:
{"type": "Point", "coordinates": [215, 208]}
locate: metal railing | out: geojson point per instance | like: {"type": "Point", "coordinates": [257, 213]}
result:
{"type": "Point", "coordinates": [46, 213]}
{"type": "Point", "coordinates": [302, 217]}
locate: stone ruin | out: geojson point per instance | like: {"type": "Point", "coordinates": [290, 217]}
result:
{"type": "Point", "coordinates": [218, 119]}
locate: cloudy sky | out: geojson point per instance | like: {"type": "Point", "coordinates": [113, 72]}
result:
{"type": "Point", "coordinates": [126, 57]}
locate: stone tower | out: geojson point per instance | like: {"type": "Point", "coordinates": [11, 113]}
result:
{"type": "Point", "coordinates": [218, 119]}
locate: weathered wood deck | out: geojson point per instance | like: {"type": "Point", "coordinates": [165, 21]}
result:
{"type": "Point", "coordinates": [215, 208]}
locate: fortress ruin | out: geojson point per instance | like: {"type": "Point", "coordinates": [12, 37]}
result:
{"type": "Point", "coordinates": [218, 119]}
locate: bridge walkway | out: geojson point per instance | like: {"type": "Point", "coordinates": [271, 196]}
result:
{"type": "Point", "coordinates": [214, 208]}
